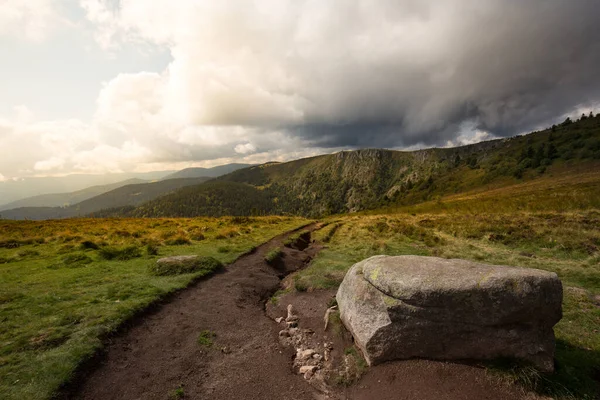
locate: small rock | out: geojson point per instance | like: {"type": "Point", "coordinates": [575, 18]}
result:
{"type": "Point", "coordinates": [308, 375]}
{"type": "Point", "coordinates": [307, 368]}
{"type": "Point", "coordinates": [317, 356]}
{"type": "Point", "coordinates": [279, 320]}
{"type": "Point", "coordinates": [326, 355]}
{"type": "Point", "coordinates": [225, 350]}
{"type": "Point", "coordinates": [327, 313]}
{"type": "Point", "coordinates": [292, 324]}
{"type": "Point", "coordinates": [304, 354]}
{"type": "Point", "coordinates": [291, 316]}
{"type": "Point", "coordinates": [284, 333]}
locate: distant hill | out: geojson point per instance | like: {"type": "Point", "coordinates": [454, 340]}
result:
{"type": "Point", "coordinates": [214, 198]}
{"type": "Point", "coordinates": [13, 190]}
{"type": "Point", "coordinates": [366, 179]}
{"type": "Point", "coordinates": [128, 195]}
{"type": "Point", "coordinates": [66, 199]}
{"type": "Point", "coordinates": [206, 172]}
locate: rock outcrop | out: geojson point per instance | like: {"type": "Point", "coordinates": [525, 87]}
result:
{"type": "Point", "coordinates": [409, 306]}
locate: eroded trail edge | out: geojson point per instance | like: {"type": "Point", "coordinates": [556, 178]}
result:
{"type": "Point", "coordinates": [212, 340]}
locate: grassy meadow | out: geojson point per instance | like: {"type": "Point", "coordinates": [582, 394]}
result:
{"type": "Point", "coordinates": [66, 284]}
{"type": "Point", "coordinates": [567, 243]}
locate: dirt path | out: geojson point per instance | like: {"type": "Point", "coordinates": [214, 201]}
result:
{"type": "Point", "coordinates": [161, 354]}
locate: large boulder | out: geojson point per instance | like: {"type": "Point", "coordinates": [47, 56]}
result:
{"type": "Point", "coordinates": [409, 306]}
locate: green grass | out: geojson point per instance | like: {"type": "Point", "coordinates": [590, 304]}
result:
{"type": "Point", "coordinates": [178, 393]}
{"type": "Point", "coordinates": [273, 255]}
{"type": "Point", "coordinates": [355, 367]}
{"type": "Point", "coordinates": [205, 338]}
{"type": "Point", "coordinates": [567, 243]}
{"type": "Point", "coordinates": [56, 305]}
{"type": "Point", "coordinates": [297, 239]}
{"type": "Point", "coordinates": [200, 266]}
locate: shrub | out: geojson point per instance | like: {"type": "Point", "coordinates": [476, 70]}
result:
{"type": "Point", "coordinates": [120, 254]}
{"type": "Point", "coordinates": [152, 249]}
{"type": "Point", "coordinates": [198, 236]}
{"type": "Point", "coordinates": [227, 233]}
{"type": "Point", "coordinates": [9, 244]}
{"type": "Point", "coordinates": [178, 241]}
{"type": "Point", "coordinates": [88, 244]}
{"type": "Point", "coordinates": [177, 266]}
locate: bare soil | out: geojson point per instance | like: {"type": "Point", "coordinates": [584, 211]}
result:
{"type": "Point", "coordinates": [159, 356]}
{"type": "Point", "coordinates": [399, 380]}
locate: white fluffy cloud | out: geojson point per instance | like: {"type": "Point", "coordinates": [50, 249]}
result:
{"type": "Point", "coordinates": [245, 148]}
{"type": "Point", "coordinates": [419, 66]}
{"type": "Point", "coordinates": [276, 79]}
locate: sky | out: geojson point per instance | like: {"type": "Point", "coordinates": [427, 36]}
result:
{"type": "Point", "coordinates": [99, 86]}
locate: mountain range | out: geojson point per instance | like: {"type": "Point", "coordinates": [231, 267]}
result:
{"type": "Point", "coordinates": [132, 192]}
{"type": "Point", "coordinates": [366, 179]}
{"type": "Point", "coordinates": [359, 180]}
{"type": "Point", "coordinates": [18, 189]}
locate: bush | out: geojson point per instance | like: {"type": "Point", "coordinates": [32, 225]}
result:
{"type": "Point", "coordinates": [198, 237]}
{"type": "Point", "coordinates": [9, 244]}
{"type": "Point", "coordinates": [120, 254]}
{"type": "Point", "coordinates": [227, 233]}
{"type": "Point", "coordinates": [178, 241]}
{"type": "Point", "coordinates": [152, 249]}
{"type": "Point", "coordinates": [88, 244]}
{"type": "Point", "coordinates": [185, 265]}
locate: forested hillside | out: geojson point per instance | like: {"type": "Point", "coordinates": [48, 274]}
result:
{"type": "Point", "coordinates": [197, 172]}
{"type": "Point", "coordinates": [351, 181]}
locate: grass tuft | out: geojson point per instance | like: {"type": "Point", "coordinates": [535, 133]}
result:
{"type": "Point", "coordinates": [206, 338]}
{"type": "Point", "coordinates": [273, 256]}
{"type": "Point", "coordinates": [120, 254]}
{"type": "Point", "coordinates": [200, 265]}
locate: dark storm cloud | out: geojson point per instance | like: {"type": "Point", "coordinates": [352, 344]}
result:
{"type": "Point", "coordinates": [505, 66]}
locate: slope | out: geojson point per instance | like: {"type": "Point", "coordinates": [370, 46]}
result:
{"type": "Point", "coordinates": [66, 199]}
{"type": "Point", "coordinates": [366, 179]}
{"type": "Point", "coordinates": [129, 195]}
{"type": "Point", "coordinates": [206, 172]}
{"type": "Point", "coordinates": [17, 189]}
